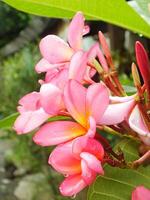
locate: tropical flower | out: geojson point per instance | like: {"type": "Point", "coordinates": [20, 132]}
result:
{"type": "Point", "coordinates": [85, 106]}
{"type": "Point", "coordinates": [141, 193]}
{"type": "Point", "coordinates": [80, 160]}
{"type": "Point", "coordinates": [36, 107]}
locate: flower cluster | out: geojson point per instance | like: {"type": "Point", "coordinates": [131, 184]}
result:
{"type": "Point", "coordinates": [70, 90]}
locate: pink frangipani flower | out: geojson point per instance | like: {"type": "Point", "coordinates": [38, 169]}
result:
{"type": "Point", "coordinates": [64, 51]}
{"type": "Point", "coordinates": [31, 113]}
{"type": "Point", "coordinates": [36, 107]}
{"type": "Point", "coordinates": [80, 161]}
{"type": "Point", "coordinates": [141, 193]}
{"type": "Point", "coordinates": [85, 106]}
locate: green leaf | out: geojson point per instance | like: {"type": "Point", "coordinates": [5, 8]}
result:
{"type": "Point", "coordinates": [144, 5]}
{"type": "Point", "coordinates": [8, 122]}
{"type": "Point", "coordinates": [118, 184]}
{"type": "Point", "coordinates": [115, 12]}
{"type": "Point", "coordinates": [141, 7]}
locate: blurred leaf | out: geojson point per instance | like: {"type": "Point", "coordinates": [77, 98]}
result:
{"type": "Point", "coordinates": [8, 122]}
{"type": "Point", "coordinates": [115, 12]}
{"type": "Point", "coordinates": [141, 7]}
{"type": "Point", "coordinates": [129, 89]}
{"type": "Point", "coordinates": [118, 184]}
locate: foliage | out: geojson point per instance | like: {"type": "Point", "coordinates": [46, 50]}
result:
{"type": "Point", "coordinates": [119, 183]}
{"type": "Point", "coordinates": [17, 78]}
{"type": "Point", "coordinates": [115, 12]}
{"type": "Point", "coordinates": [11, 30]}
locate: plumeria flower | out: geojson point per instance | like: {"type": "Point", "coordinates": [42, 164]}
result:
{"type": "Point", "coordinates": [141, 193]}
{"type": "Point", "coordinates": [63, 52]}
{"type": "Point", "coordinates": [80, 160]}
{"type": "Point", "coordinates": [85, 106]}
{"type": "Point", "coordinates": [88, 107]}
{"type": "Point", "coordinates": [36, 107]}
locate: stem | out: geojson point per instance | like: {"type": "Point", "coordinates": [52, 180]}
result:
{"type": "Point", "coordinates": [144, 159]}
{"type": "Point", "coordinates": [117, 82]}
{"type": "Point", "coordinates": [114, 132]}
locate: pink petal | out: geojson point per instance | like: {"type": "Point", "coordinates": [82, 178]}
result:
{"type": "Point", "coordinates": [72, 185]}
{"type": "Point", "coordinates": [43, 66]}
{"type": "Point", "coordinates": [58, 132]}
{"type": "Point", "coordinates": [86, 29]}
{"type": "Point", "coordinates": [89, 73]}
{"type": "Point", "coordinates": [96, 52]}
{"type": "Point", "coordinates": [116, 113]}
{"type": "Point", "coordinates": [88, 175]}
{"type": "Point", "coordinates": [29, 102]}
{"type": "Point", "coordinates": [55, 50]}
{"type": "Point", "coordinates": [97, 100]}
{"type": "Point", "coordinates": [116, 99]}
{"type": "Point", "coordinates": [60, 79]}
{"type": "Point", "coordinates": [77, 66]}
{"type": "Point", "coordinates": [141, 193]}
{"type": "Point", "coordinates": [75, 31]}
{"type": "Point", "coordinates": [30, 120]}
{"type": "Point", "coordinates": [51, 98]}
{"type": "Point", "coordinates": [92, 127]}
{"type": "Point", "coordinates": [74, 97]}
{"type": "Point", "coordinates": [92, 162]}
{"type": "Point", "coordinates": [137, 124]}
{"type": "Point", "coordinates": [64, 161]}
{"type": "Point", "coordinates": [86, 144]}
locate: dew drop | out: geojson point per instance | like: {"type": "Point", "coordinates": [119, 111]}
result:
{"type": "Point", "coordinates": [140, 35]}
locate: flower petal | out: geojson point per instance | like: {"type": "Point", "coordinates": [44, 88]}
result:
{"type": "Point", "coordinates": [75, 31]}
{"type": "Point", "coordinates": [90, 145]}
{"type": "Point", "coordinates": [116, 113]}
{"type": "Point", "coordinates": [74, 97]}
{"type": "Point", "coordinates": [55, 50]}
{"type": "Point", "coordinates": [137, 124]}
{"type": "Point", "coordinates": [77, 66]}
{"type": "Point", "coordinates": [92, 162]}
{"type": "Point", "coordinates": [51, 98]}
{"type": "Point", "coordinates": [59, 79]}
{"type": "Point", "coordinates": [29, 102]}
{"type": "Point", "coordinates": [58, 132]}
{"type": "Point", "coordinates": [64, 161]}
{"type": "Point", "coordinates": [88, 175]}
{"type": "Point", "coordinates": [97, 100]}
{"type": "Point", "coordinates": [30, 120]}
{"type": "Point", "coordinates": [141, 193]}
{"type": "Point", "coordinates": [92, 127]}
{"type": "Point", "coordinates": [43, 66]}
{"type": "Point", "coordinates": [72, 185]}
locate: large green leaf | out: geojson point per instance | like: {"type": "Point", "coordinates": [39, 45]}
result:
{"type": "Point", "coordinates": [118, 184]}
{"type": "Point", "coordinates": [142, 7]}
{"type": "Point", "coordinates": [115, 12]}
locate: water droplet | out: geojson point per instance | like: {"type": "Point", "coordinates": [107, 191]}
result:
{"type": "Point", "coordinates": [140, 35]}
